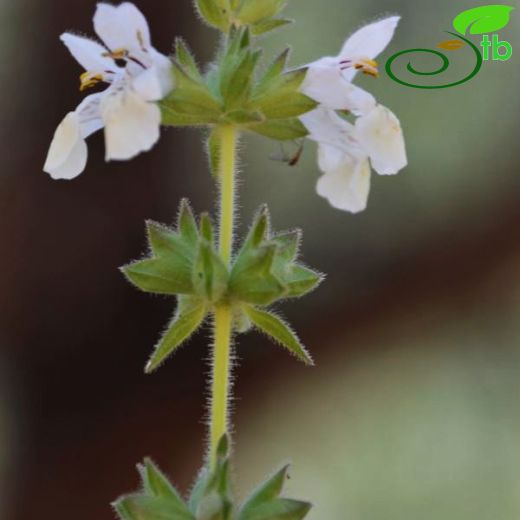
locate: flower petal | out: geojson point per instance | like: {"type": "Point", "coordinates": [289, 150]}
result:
{"type": "Point", "coordinates": [330, 157]}
{"type": "Point", "coordinates": [326, 84]}
{"type": "Point", "coordinates": [152, 84]}
{"type": "Point", "coordinates": [67, 155]}
{"type": "Point", "coordinates": [132, 125]}
{"type": "Point", "coordinates": [89, 114]}
{"type": "Point", "coordinates": [380, 134]}
{"type": "Point", "coordinates": [370, 40]}
{"type": "Point", "coordinates": [326, 127]}
{"type": "Point", "coordinates": [122, 27]}
{"type": "Point", "coordinates": [348, 186]}
{"type": "Point", "coordinates": [88, 53]}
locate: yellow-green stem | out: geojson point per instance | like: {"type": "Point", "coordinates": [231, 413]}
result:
{"type": "Point", "coordinates": [228, 145]}
{"type": "Point", "coordinates": [223, 314]}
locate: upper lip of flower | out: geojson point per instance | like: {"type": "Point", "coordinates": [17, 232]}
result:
{"type": "Point", "coordinates": [329, 79]}
{"type": "Point", "coordinates": [126, 48]}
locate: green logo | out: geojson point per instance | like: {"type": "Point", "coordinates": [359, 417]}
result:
{"type": "Point", "coordinates": [478, 21]}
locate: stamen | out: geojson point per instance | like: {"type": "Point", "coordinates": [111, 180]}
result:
{"type": "Point", "coordinates": [118, 54]}
{"type": "Point", "coordinates": [365, 65]}
{"type": "Point", "coordinates": [89, 80]}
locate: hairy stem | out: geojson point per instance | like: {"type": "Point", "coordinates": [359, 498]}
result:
{"type": "Point", "coordinates": [228, 145]}
{"type": "Point", "coordinates": [223, 314]}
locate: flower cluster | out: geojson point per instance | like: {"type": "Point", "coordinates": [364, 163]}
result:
{"type": "Point", "coordinates": [345, 150]}
{"type": "Point", "coordinates": [320, 94]}
{"type": "Point", "coordinates": [136, 75]}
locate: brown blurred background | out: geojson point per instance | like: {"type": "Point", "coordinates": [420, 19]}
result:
{"type": "Point", "coordinates": [412, 410]}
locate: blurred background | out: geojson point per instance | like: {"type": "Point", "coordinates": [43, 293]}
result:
{"type": "Point", "coordinates": [413, 408]}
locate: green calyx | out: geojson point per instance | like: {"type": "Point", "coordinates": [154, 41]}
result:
{"type": "Point", "coordinates": [211, 497]}
{"type": "Point", "coordinates": [183, 262]}
{"type": "Point", "coordinates": [233, 92]}
{"type": "Point", "coordinates": [260, 16]}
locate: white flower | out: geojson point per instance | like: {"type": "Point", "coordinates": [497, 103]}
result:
{"type": "Point", "coordinates": [345, 152]}
{"type": "Point", "coordinates": [137, 76]}
{"type": "Point", "coordinates": [328, 79]}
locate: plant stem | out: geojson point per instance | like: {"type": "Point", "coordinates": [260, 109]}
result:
{"type": "Point", "coordinates": [223, 314]}
{"type": "Point", "coordinates": [228, 142]}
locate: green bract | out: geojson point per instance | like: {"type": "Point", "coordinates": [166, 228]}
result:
{"type": "Point", "coordinates": [211, 497]}
{"type": "Point", "coordinates": [233, 93]}
{"type": "Point", "coordinates": [183, 262]}
{"type": "Point", "coordinates": [259, 15]}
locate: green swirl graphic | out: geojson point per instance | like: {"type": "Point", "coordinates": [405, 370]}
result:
{"type": "Point", "coordinates": [445, 64]}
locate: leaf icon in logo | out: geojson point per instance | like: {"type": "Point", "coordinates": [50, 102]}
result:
{"type": "Point", "coordinates": [451, 45]}
{"type": "Point", "coordinates": [484, 19]}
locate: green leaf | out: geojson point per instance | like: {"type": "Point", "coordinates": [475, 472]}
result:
{"type": "Point", "coordinates": [269, 25]}
{"type": "Point", "coordinates": [199, 489]}
{"type": "Point", "coordinates": [241, 322]}
{"type": "Point", "coordinates": [187, 320]}
{"type": "Point", "coordinates": [253, 11]}
{"type": "Point", "coordinates": [186, 59]}
{"type": "Point", "coordinates": [187, 224]}
{"type": "Point", "coordinates": [279, 331]}
{"type": "Point", "coordinates": [206, 228]}
{"type": "Point", "coordinates": [212, 507]}
{"type": "Point", "coordinates": [236, 83]}
{"type": "Point", "coordinates": [245, 40]}
{"type": "Point", "coordinates": [273, 72]}
{"type": "Point", "coordinates": [136, 507]}
{"type": "Point", "coordinates": [165, 242]}
{"type": "Point", "coordinates": [267, 491]}
{"type": "Point", "coordinates": [251, 279]}
{"type": "Point", "coordinates": [190, 97]}
{"type": "Point", "coordinates": [288, 244]}
{"type": "Point", "coordinates": [292, 80]}
{"type": "Point", "coordinates": [244, 117]}
{"type": "Point", "coordinates": [259, 232]}
{"type": "Point", "coordinates": [483, 19]}
{"type": "Point", "coordinates": [223, 448]}
{"type": "Point", "coordinates": [156, 484]}
{"type": "Point", "coordinates": [281, 129]}
{"type": "Point", "coordinates": [169, 117]}
{"type": "Point", "coordinates": [284, 104]}
{"type": "Point", "coordinates": [210, 275]}
{"type": "Point", "coordinates": [159, 276]}
{"type": "Point", "coordinates": [215, 12]}
{"type": "Point", "coordinates": [196, 103]}
{"type": "Point", "coordinates": [210, 496]}
{"type": "Point", "coordinates": [301, 280]}
{"type": "Point", "coordinates": [279, 509]}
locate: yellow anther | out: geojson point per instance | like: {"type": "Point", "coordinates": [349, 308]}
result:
{"type": "Point", "coordinates": [367, 67]}
{"type": "Point", "coordinates": [89, 80]}
{"type": "Point", "coordinates": [117, 54]}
